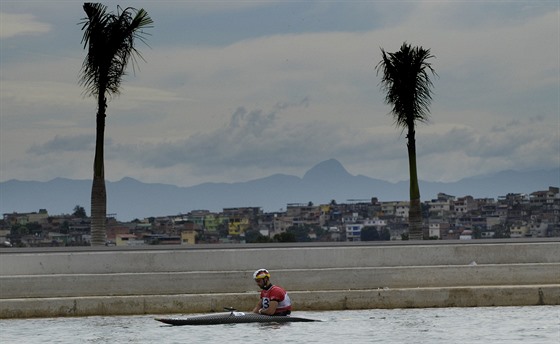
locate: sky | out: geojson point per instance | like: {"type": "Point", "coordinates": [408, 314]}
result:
{"type": "Point", "coordinates": [231, 91]}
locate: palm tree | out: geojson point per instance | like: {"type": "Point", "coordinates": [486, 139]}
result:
{"type": "Point", "coordinates": [407, 84]}
{"type": "Point", "coordinates": [109, 39]}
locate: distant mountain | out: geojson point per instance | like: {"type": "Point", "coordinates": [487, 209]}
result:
{"type": "Point", "coordinates": [326, 181]}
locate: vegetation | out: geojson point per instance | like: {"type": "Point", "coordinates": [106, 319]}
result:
{"type": "Point", "coordinates": [110, 42]}
{"type": "Point", "coordinates": [80, 212]}
{"type": "Point", "coordinates": [304, 233]}
{"type": "Point", "coordinates": [501, 231]}
{"type": "Point", "coordinates": [370, 233]}
{"type": "Point", "coordinates": [407, 84]}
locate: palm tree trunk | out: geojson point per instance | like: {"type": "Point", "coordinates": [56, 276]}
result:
{"type": "Point", "coordinates": [98, 212]}
{"type": "Point", "coordinates": [98, 191]}
{"type": "Point", "coordinates": [415, 230]}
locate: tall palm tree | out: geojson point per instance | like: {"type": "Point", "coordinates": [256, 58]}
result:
{"type": "Point", "coordinates": [109, 39]}
{"type": "Point", "coordinates": [406, 81]}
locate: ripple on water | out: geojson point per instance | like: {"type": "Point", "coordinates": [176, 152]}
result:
{"type": "Point", "coordinates": [538, 324]}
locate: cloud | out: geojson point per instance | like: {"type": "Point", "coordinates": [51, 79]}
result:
{"type": "Point", "coordinates": [269, 98]}
{"type": "Point", "coordinates": [249, 135]}
{"type": "Point", "coordinates": [456, 151]}
{"type": "Point", "coordinates": [60, 144]}
{"type": "Point", "coordinates": [21, 24]}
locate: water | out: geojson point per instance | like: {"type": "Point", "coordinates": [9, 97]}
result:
{"type": "Point", "coordinates": [537, 324]}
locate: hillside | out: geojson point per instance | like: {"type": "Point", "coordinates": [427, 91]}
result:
{"type": "Point", "coordinates": [329, 180]}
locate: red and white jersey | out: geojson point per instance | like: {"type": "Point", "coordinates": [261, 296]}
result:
{"type": "Point", "coordinates": [276, 293]}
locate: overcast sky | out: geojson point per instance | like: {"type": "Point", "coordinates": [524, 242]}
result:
{"type": "Point", "coordinates": [237, 90]}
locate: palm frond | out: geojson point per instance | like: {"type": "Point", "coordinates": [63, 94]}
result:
{"type": "Point", "coordinates": [109, 39]}
{"type": "Point", "coordinates": [407, 83]}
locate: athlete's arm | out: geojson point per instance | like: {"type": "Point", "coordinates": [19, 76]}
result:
{"type": "Point", "coordinates": [257, 307]}
{"type": "Point", "coordinates": [270, 310]}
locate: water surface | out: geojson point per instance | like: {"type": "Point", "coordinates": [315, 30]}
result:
{"type": "Point", "coordinates": [537, 324]}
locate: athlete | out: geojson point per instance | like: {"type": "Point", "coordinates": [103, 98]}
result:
{"type": "Point", "coordinates": [274, 300]}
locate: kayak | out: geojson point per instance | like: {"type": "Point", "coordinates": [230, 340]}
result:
{"type": "Point", "coordinates": [231, 318]}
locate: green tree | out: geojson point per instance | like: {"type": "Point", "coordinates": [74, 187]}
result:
{"type": "Point", "coordinates": [79, 212]}
{"type": "Point", "coordinates": [254, 236]}
{"type": "Point", "coordinates": [477, 233]}
{"type": "Point", "coordinates": [406, 81]}
{"type": "Point", "coordinates": [65, 227]}
{"type": "Point", "coordinates": [18, 230]}
{"type": "Point", "coordinates": [34, 228]}
{"type": "Point", "coordinates": [501, 231]}
{"type": "Point", "coordinates": [369, 233]}
{"type": "Point", "coordinates": [110, 42]}
{"type": "Point", "coordinates": [251, 236]}
{"type": "Point", "coordinates": [319, 232]}
{"type": "Point", "coordinates": [301, 233]}
{"type": "Point", "coordinates": [285, 237]}
{"type": "Point", "coordinates": [385, 234]}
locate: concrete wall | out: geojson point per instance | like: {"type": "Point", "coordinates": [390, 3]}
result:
{"type": "Point", "coordinates": [318, 277]}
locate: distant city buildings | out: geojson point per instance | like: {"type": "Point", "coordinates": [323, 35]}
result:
{"type": "Point", "coordinates": [445, 217]}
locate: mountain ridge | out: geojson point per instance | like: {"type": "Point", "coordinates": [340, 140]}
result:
{"type": "Point", "coordinates": [129, 198]}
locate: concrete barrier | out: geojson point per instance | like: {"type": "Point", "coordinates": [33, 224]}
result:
{"type": "Point", "coordinates": [318, 277]}
{"type": "Point", "coordinates": [246, 257]}
{"type": "Point", "coordinates": [203, 282]}
{"type": "Point", "coordinates": [472, 296]}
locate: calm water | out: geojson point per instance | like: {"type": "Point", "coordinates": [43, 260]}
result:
{"type": "Point", "coordinates": [539, 324]}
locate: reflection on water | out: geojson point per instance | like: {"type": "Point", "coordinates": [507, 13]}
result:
{"type": "Point", "coordinates": [538, 324]}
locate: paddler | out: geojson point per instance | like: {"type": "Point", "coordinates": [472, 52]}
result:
{"type": "Point", "coordinates": [274, 299]}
